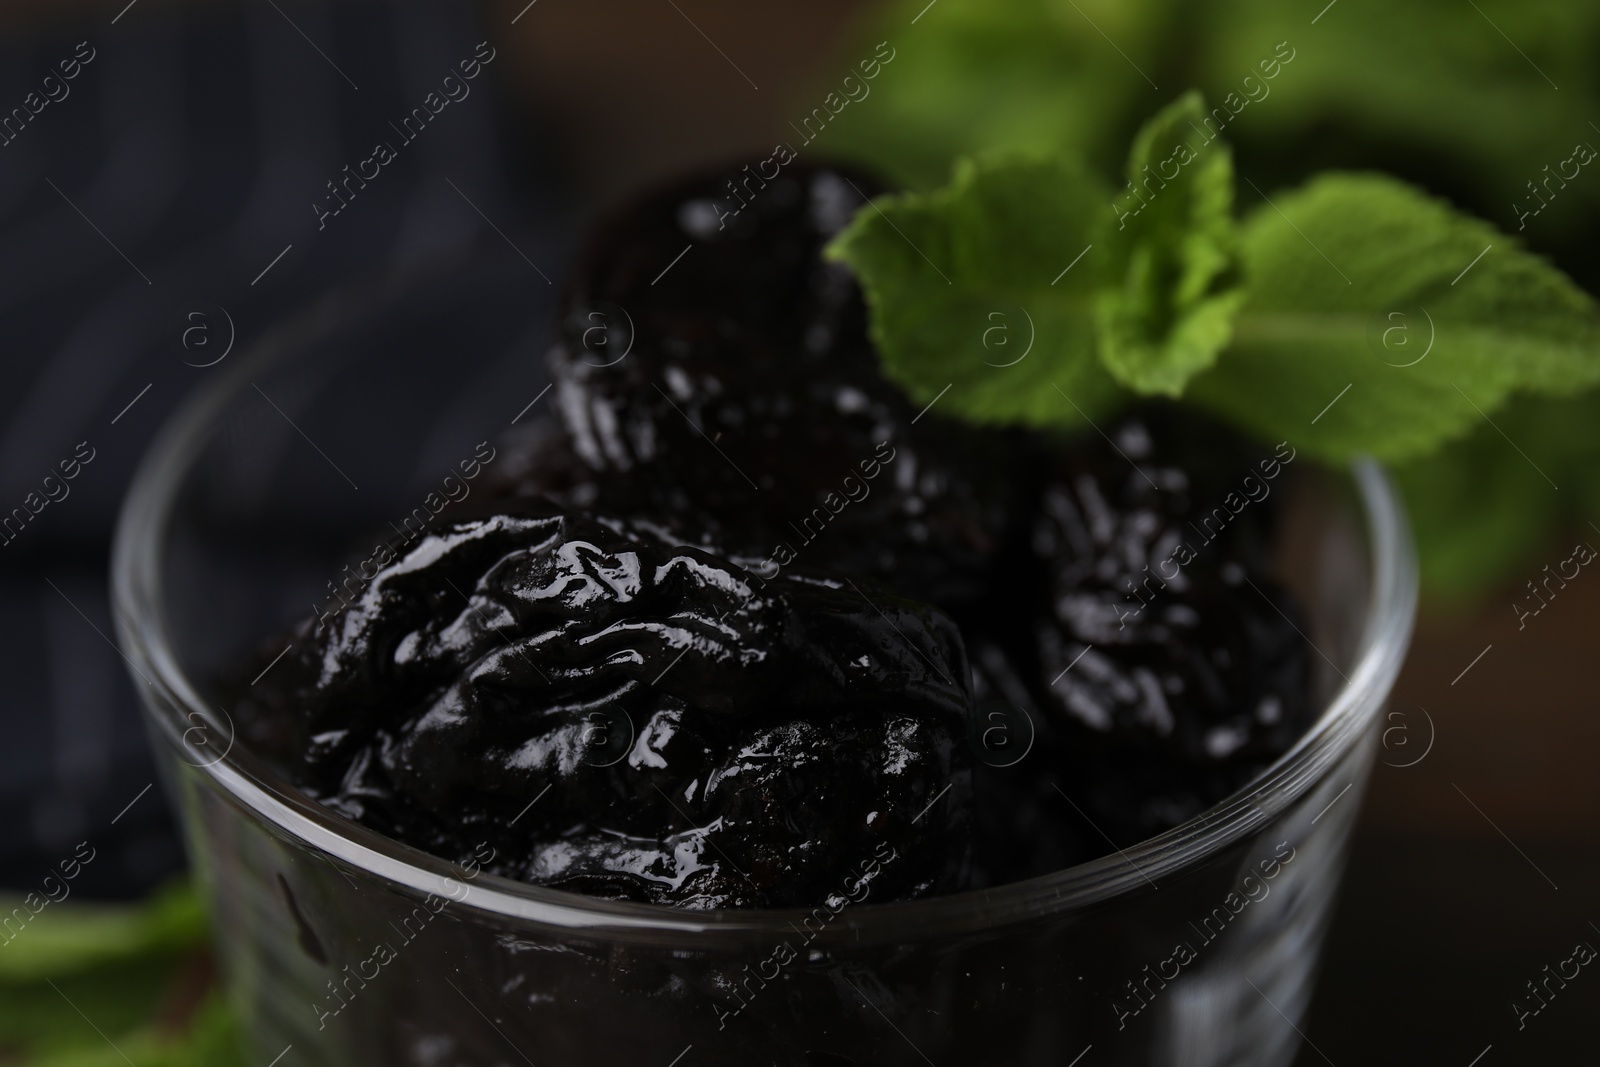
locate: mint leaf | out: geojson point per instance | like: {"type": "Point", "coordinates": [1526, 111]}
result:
{"type": "Point", "coordinates": [1334, 268]}
{"type": "Point", "coordinates": [973, 76]}
{"type": "Point", "coordinates": [131, 968]}
{"type": "Point", "coordinates": [988, 287]}
{"type": "Point", "coordinates": [1469, 108]}
{"type": "Point", "coordinates": [1175, 279]}
{"type": "Point", "coordinates": [1038, 75]}
{"type": "Point", "coordinates": [81, 937]}
{"type": "Point", "coordinates": [1536, 444]}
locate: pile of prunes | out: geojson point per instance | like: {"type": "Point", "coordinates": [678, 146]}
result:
{"type": "Point", "coordinates": [746, 627]}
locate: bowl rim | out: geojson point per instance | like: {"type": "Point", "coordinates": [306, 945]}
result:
{"type": "Point", "coordinates": [175, 709]}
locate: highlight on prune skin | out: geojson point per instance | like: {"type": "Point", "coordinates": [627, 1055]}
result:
{"type": "Point", "coordinates": [617, 714]}
{"type": "Point", "coordinates": [750, 402]}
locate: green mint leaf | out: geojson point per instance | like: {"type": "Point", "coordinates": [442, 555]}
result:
{"type": "Point", "coordinates": [1175, 282]}
{"type": "Point", "coordinates": [1382, 321]}
{"type": "Point", "coordinates": [987, 288]}
{"type": "Point", "coordinates": [1535, 445]}
{"type": "Point", "coordinates": [123, 965]}
{"type": "Point", "coordinates": [1038, 75]}
{"type": "Point", "coordinates": [1468, 109]}
{"type": "Point", "coordinates": [80, 937]}
{"type": "Point", "coordinates": [974, 76]}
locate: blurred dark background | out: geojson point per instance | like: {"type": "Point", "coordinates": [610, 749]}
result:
{"type": "Point", "coordinates": [162, 208]}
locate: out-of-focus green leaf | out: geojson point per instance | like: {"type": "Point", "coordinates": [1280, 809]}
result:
{"type": "Point", "coordinates": [1473, 84]}
{"type": "Point", "coordinates": [69, 937]}
{"type": "Point", "coordinates": [1436, 79]}
{"type": "Point", "coordinates": [83, 985]}
{"type": "Point", "coordinates": [211, 1040]}
{"type": "Point", "coordinates": [1028, 75]}
{"type": "Point", "coordinates": [1487, 506]}
{"type": "Point", "coordinates": [118, 996]}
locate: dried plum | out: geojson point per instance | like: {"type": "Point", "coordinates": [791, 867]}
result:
{"type": "Point", "coordinates": [616, 713]}
{"type": "Point", "coordinates": [712, 368]}
{"type": "Point", "coordinates": [1169, 664]}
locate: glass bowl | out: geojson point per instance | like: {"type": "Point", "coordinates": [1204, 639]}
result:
{"type": "Point", "coordinates": [1196, 947]}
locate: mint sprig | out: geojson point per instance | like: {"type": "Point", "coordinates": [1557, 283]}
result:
{"type": "Point", "coordinates": [1267, 321]}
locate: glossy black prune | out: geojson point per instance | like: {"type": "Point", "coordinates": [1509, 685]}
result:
{"type": "Point", "coordinates": [713, 368]}
{"type": "Point", "coordinates": [612, 712]}
{"type": "Point", "coordinates": [1168, 664]}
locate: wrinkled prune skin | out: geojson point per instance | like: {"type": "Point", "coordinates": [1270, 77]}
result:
{"type": "Point", "coordinates": [1166, 666]}
{"type": "Point", "coordinates": [614, 713]}
{"type": "Point", "coordinates": [750, 406]}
